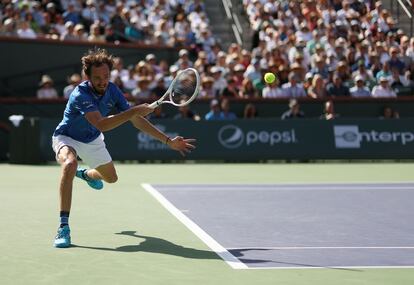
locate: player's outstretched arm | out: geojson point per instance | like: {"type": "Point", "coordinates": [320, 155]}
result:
{"type": "Point", "coordinates": [111, 122]}
{"type": "Point", "coordinates": [180, 144]}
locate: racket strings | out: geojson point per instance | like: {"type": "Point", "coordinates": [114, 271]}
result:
{"type": "Point", "coordinates": [184, 87]}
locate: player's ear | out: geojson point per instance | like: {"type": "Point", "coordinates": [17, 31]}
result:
{"type": "Point", "coordinates": [84, 75]}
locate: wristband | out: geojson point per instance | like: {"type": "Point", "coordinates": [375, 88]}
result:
{"type": "Point", "coordinates": [167, 140]}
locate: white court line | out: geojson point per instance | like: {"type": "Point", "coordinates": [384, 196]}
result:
{"type": "Point", "coordinates": [318, 247]}
{"type": "Point", "coordinates": [230, 259]}
{"type": "Point", "coordinates": [285, 187]}
{"type": "Point", "coordinates": [334, 267]}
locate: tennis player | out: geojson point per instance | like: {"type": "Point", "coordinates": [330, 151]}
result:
{"type": "Point", "coordinates": [80, 133]}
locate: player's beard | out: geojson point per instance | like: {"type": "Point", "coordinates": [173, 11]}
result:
{"type": "Point", "coordinates": [100, 89]}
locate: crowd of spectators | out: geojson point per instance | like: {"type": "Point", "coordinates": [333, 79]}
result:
{"type": "Point", "coordinates": [157, 22]}
{"type": "Point", "coordinates": [316, 49]}
{"type": "Point", "coordinates": [331, 48]}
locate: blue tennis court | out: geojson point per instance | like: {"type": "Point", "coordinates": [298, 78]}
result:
{"type": "Point", "coordinates": [274, 226]}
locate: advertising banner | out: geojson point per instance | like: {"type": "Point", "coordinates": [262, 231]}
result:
{"type": "Point", "coordinates": [252, 140]}
{"type": "Point", "coordinates": [255, 140]}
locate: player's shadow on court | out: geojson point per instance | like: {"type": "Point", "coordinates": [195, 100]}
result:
{"type": "Point", "coordinates": [239, 253]}
{"type": "Point", "coordinates": [157, 245]}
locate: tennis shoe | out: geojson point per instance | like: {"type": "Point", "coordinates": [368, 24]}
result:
{"type": "Point", "coordinates": [96, 184]}
{"type": "Point", "coordinates": [62, 239]}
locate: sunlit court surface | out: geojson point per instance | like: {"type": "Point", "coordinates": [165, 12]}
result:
{"type": "Point", "coordinates": [213, 224]}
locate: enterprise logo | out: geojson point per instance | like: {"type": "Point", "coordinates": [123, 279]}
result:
{"type": "Point", "coordinates": [349, 136]}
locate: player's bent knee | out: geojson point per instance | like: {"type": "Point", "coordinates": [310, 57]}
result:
{"type": "Point", "coordinates": [70, 166]}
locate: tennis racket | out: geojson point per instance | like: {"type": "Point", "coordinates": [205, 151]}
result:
{"type": "Point", "coordinates": [182, 90]}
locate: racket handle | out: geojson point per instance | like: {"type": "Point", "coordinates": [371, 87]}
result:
{"type": "Point", "coordinates": [154, 104]}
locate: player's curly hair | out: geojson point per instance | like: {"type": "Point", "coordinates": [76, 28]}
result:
{"type": "Point", "coordinates": [96, 57]}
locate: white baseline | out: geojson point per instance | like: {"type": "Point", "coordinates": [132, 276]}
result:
{"type": "Point", "coordinates": [230, 259]}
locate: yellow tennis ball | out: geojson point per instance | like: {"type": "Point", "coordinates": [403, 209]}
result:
{"type": "Point", "coordinates": [269, 77]}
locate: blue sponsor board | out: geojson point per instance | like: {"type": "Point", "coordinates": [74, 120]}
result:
{"type": "Point", "coordinates": [245, 140]}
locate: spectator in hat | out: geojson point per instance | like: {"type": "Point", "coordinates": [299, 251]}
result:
{"type": "Point", "coordinates": [142, 91]}
{"type": "Point", "coordinates": [307, 83]}
{"type": "Point", "coordinates": [173, 70]}
{"type": "Point", "coordinates": [395, 62]}
{"type": "Point", "coordinates": [46, 89]}
{"type": "Point", "coordinates": [214, 113]}
{"type": "Point", "coordinates": [183, 59]}
{"type": "Point", "coordinates": [207, 90]}
{"type": "Point", "coordinates": [366, 75]}
{"type": "Point", "coordinates": [95, 34]}
{"type": "Point", "coordinates": [69, 33]}
{"type": "Point", "coordinates": [221, 61]}
{"type": "Point", "coordinates": [320, 67]}
{"type": "Point", "coordinates": [239, 74]}
{"type": "Point", "coordinates": [73, 81]}
{"type": "Point", "coordinates": [294, 111]}
{"type": "Point", "coordinates": [292, 89]}
{"type": "Point", "coordinates": [9, 28]}
{"type": "Point", "coordinates": [342, 69]}
{"type": "Point", "coordinates": [360, 90]}
{"type": "Point", "coordinates": [152, 61]}
{"type": "Point", "coordinates": [79, 32]}
{"type": "Point", "coordinates": [383, 89]}
{"type": "Point", "coordinates": [299, 71]}
{"type": "Point", "coordinates": [219, 83]}
{"type": "Point", "coordinates": [337, 88]}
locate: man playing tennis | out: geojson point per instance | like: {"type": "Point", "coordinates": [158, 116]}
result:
{"type": "Point", "coordinates": [80, 133]}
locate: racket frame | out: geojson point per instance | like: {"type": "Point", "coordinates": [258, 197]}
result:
{"type": "Point", "coordinates": [169, 90]}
